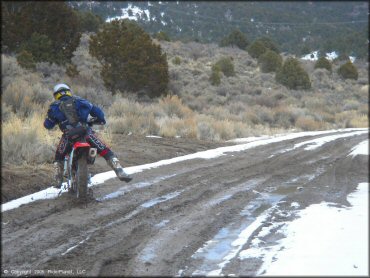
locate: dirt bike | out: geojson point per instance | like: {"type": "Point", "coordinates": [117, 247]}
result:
{"type": "Point", "coordinates": [77, 161]}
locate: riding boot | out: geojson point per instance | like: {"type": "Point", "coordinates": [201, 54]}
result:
{"type": "Point", "coordinates": [113, 162]}
{"type": "Point", "coordinates": [58, 174]}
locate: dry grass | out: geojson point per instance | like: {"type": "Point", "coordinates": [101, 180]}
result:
{"type": "Point", "coordinates": [308, 123]}
{"type": "Point", "coordinates": [248, 104]}
{"type": "Point", "coordinates": [359, 121]}
{"type": "Point", "coordinates": [26, 141]}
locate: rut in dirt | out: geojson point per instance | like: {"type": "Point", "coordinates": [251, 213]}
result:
{"type": "Point", "coordinates": [159, 223]}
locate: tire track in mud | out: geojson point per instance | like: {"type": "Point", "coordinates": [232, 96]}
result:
{"type": "Point", "coordinates": [120, 236]}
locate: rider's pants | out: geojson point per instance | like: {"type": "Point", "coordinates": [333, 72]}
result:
{"type": "Point", "coordinates": [65, 146]}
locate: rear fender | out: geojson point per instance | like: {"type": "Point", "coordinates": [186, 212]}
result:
{"type": "Point", "coordinates": [81, 145]}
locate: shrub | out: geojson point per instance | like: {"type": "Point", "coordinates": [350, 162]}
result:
{"type": "Point", "coordinates": [26, 141]}
{"type": "Point", "coordinates": [135, 124]}
{"type": "Point", "coordinates": [26, 60]}
{"type": "Point", "coordinates": [215, 77]}
{"type": "Point", "coordinates": [162, 36]}
{"type": "Point", "coordinates": [292, 75]}
{"type": "Point", "coordinates": [269, 44]}
{"type": "Point", "coordinates": [171, 127]}
{"type": "Point", "coordinates": [6, 112]}
{"type": "Point", "coordinates": [71, 70]}
{"type": "Point", "coordinates": [256, 49]}
{"type": "Point", "coordinates": [348, 71]}
{"type": "Point", "coordinates": [48, 30]}
{"type": "Point", "coordinates": [205, 131]}
{"type": "Point", "coordinates": [89, 22]}
{"type": "Point", "coordinates": [359, 121]}
{"type": "Point", "coordinates": [86, 66]}
{"type": "Point", "coordinates": [236, 38]}
{"type": "Point", "coordinates": [40, 46]}
{"type": "Point", "coordinates": [173, 106]}
{"type": "Point", "coordinates": [270, 61]}
{"type": "Point", "coordinates": [226, 66]}
{"type": "Point", "coordinates": [307, 123]}
{"type": "Point", "coordinates": [176, 60]}
{"type": "Point", "coordinates": [131, 61]}
{"type": "Point", "coordinates": [323, 63]}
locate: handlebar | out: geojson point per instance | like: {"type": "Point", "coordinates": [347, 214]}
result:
{"type": "Point", "coordinates": [94, 121]}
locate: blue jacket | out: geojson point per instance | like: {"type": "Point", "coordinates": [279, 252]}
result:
{"type": "Point", "coordinates": [84, 108]}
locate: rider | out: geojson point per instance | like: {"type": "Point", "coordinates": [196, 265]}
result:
{"type": "Point", "coordinates": [76, 111]}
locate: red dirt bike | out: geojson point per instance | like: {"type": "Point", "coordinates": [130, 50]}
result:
{"type": "Point", "coordinates": [77, 161]}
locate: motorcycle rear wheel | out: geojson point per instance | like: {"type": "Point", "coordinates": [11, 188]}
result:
{"type": "Point", "coordinates": [82, 177]}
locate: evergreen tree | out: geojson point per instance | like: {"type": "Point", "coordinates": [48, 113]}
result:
{"type": "Point", "coordinates": [26, 60]}
{"type": "Point", "coordinates": [131, 61]}
{"type": "Point", "coordinates": [53, 21]}
{"type": "Point", "coordinates": [40, 46]}
{"type": "Point", "coordinates": [348, 71]}
{"type": "Point", "coordinates": [235, 38]}
{"type": "Point", "coordinates": [215, 77]}
{"type": "Point", "coordinates": [270, 61]}
{"type": "Point", "coordinates": [256, 49]}
{"type": "Point", "coordinates": [292, 75]}
{"type": "Point", "coordinates": [323, 63]}
{"type": "Point", "coordinates": [162, 36]}
{"type": "Point", "coordinates": [269, 44]}
{"type": "Point", "coordinates": [226, 66]}
{"type": "Point", "coordinates": [89, 22]}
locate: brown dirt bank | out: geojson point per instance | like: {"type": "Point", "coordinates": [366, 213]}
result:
{"type": "Point", "coordinates": [18, 181]}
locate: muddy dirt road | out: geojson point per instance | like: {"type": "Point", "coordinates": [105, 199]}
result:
{"type": "Point", "coordinates": [159, 223]}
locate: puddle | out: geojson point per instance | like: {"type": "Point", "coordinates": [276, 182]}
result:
{"type": "Point", "coordinates": [128, 188]}
{"type": "Point", "coordinates": [285, 190]}
{"type": "Point", "coordinates": [162, 199]}
{"type": "Point", "coordinates": [227, 243]}
{"type": "Point", "coordinates": [162, 223]}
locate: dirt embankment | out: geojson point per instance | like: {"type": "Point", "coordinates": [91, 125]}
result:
{"type": "Point", "coordinates": [18, 181]}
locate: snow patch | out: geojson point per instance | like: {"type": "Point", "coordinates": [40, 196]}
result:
{"type": "Point", "coordinates": [136, 13]}
{"type": "Point", "coordinates": [153, 136]}
{"type": "Point", "coordinates": [340, 234]}
{"type": "Point", "coordinates": [361, 149]}
{"type": "Point", "coordinates": [314, 56]}
{"type": "Point", "coordinates": [51, 193]}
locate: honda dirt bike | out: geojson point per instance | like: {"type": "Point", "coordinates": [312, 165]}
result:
{"type": "Point", "coordinates": [77, 161]}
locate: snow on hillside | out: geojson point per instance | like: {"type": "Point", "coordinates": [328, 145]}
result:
{"type": "Point", "coordinates": [314, 56]}
{"type": "Point", "coordinates": [136, 12]}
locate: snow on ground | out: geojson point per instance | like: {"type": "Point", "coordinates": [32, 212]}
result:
{"type": "Point", "coordinates": [361, 149]}
{"type": "Point", "coordinates": [326, 240]}
{"type": "Point", "coordinates": [316, 143]}
{"type": "Point", "coordinates": [51, 192]}
{"type": "Point", "coordinates": [153, 136]}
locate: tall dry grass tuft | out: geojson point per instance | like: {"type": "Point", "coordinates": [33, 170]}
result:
{"type": "Point", "coordinates": [133, 124]}
{"type": "Point", "coordinates": [18, 96]}
{"type": "Point", "coordinates": [26, 141]}
{"type": "Point", "coordinates": [308, 123]}
{"type": "Point", "coordinates": [359, 121]}
{"type": "Point", "coordinates": [174, 126]}
{"type": "Point", "coordinates": [173, 106]}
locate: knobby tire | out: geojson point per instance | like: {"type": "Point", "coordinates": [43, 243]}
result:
{"type": "Point", "coordinates": [82, 176]}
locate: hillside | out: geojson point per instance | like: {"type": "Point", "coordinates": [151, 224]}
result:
{"type": "Point", "coordinates": [250, 103]}
{"type": "Point", "coordinates": [296, 26]}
